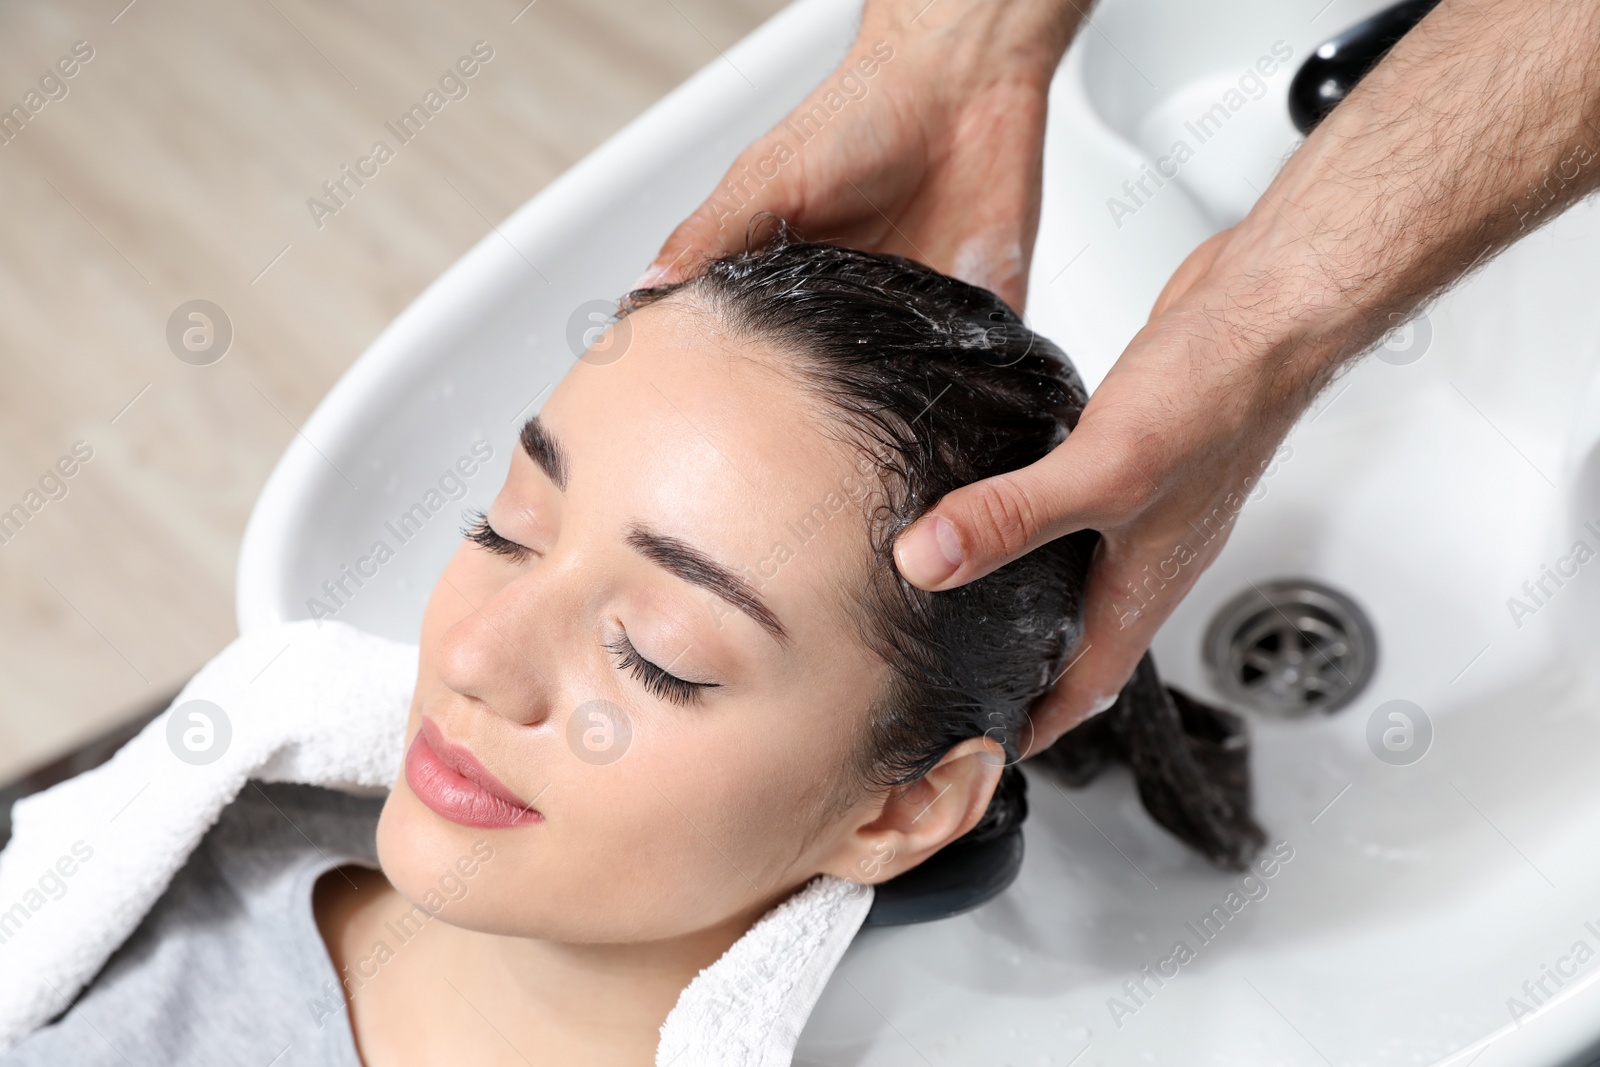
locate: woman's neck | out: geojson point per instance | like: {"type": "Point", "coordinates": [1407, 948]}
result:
{"type": "Point", "coordinates": [432, 993]}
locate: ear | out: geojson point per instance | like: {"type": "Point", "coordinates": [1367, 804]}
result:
{"type": "Point", "coordinates": [893, 834]}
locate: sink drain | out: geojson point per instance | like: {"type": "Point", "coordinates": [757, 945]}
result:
{"type": "Point", "coordinates": [1291, 648]}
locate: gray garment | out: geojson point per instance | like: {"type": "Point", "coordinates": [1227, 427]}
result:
{"type": "Point", "coordinates": [228, 967]}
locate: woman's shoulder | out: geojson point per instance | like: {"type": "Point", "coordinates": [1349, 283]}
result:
{"type": "Point", "coordinates": [228, 966]}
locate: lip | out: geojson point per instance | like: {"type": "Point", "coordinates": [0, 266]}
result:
{"type": "Point", "coordinates": [448, 778]}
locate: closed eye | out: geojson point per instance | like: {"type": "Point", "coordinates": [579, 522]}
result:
{"type": "Point", "coordinates": [655, 679]}
{"type": "Point", "coordinates": [480, 533]}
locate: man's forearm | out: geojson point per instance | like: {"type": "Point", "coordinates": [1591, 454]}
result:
{"type": "Point", "coordinates": [1481, 124]}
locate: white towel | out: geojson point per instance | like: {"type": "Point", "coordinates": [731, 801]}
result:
{"type": "Point", "coordinates": [324, 705]}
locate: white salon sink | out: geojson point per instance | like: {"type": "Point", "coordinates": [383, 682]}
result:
{"type": "Point", "coordinates": [1419, 897]}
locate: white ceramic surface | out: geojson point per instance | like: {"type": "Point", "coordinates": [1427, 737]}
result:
{"type": "Point", "coordinates": [1419, 898]}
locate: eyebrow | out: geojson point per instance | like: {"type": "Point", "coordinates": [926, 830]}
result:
{"type": "Point", "coordinates": [546, 451]}
{"type": "Point", "coordinates": [696, 568]}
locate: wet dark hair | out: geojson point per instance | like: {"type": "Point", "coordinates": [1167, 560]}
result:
{"type": "Point", "coordinates": [943, 385]}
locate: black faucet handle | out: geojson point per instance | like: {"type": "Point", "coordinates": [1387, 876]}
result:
{"type": "Point", "coordinates": [1339, 62]}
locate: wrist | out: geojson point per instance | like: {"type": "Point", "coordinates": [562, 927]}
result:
{"type": "Point", "coordinates": [971, 44]}
{"type": "Point", "coordinates": [1270, 296]}
{"type": "Point", "coordinates": [1273, 315]}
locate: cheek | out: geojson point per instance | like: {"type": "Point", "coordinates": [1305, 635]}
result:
{"type": "Point", "coordinates": [722, 809]}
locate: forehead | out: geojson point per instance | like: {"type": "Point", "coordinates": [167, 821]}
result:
{"type": "Point", "coordinates": [710, 438]}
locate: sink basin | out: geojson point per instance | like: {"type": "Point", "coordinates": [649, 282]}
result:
{"type": "Point", "coordinates": [1432, 876]}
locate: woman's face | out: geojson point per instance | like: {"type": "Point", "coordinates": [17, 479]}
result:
{"type": "Point", "coordinates": [646, 699]}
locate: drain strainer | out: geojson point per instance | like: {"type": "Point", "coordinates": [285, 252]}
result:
{"type": "Point", "coordinates": [1291, 648]}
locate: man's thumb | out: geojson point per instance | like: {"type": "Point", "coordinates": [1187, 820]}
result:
{"type": "Point", "coordinates": [983, 526]}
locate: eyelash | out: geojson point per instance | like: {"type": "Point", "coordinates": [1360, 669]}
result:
{"type": "Point", "coordinates": [480, 533]}
{"type": "Point", "coordinates": [655, 679]}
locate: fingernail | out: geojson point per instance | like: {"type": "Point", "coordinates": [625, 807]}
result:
{"type": "Point", "coordinates": [1102, 704]}
{"type": "Point", "coordinates": [929, 553]}
{"type": "Point", "coordinates": [649, 279]}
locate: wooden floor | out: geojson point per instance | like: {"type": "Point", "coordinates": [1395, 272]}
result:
{"type": "Point", "coordinates": [175, 164]}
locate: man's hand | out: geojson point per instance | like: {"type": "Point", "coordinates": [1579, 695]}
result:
{"type": "Point", "coordinates": [1169, 447]}
{"type": "Point", "coordinates": [1482, 123]}
{"type": "Point", "coordinates": [926, 142]}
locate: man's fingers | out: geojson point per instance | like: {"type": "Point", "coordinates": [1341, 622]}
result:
{"type": "Point", "coordinates": [992, 258]}
{"type": "Point", "coordinates": [1098, 669]}
{"type": "Point", "coordinates": [971, 532]}
{"type": "Point", "coordinates": [718, 226]}
{"type": "Point", "coordinates": [697, 238]}
{"type": "Point", "coordinates": [983, 526]}
{"type": "Point", "coordinates": [1123, 608]}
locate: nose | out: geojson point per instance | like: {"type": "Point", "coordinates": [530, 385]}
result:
{"type": "Point", "coordinates": [496, 651]}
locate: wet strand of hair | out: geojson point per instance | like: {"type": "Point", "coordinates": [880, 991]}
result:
{"type": "Point", "coordinates": [1190, 763]}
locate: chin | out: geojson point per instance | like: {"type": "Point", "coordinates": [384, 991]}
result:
{"type": "Point", "coordinates": [446, 869]}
